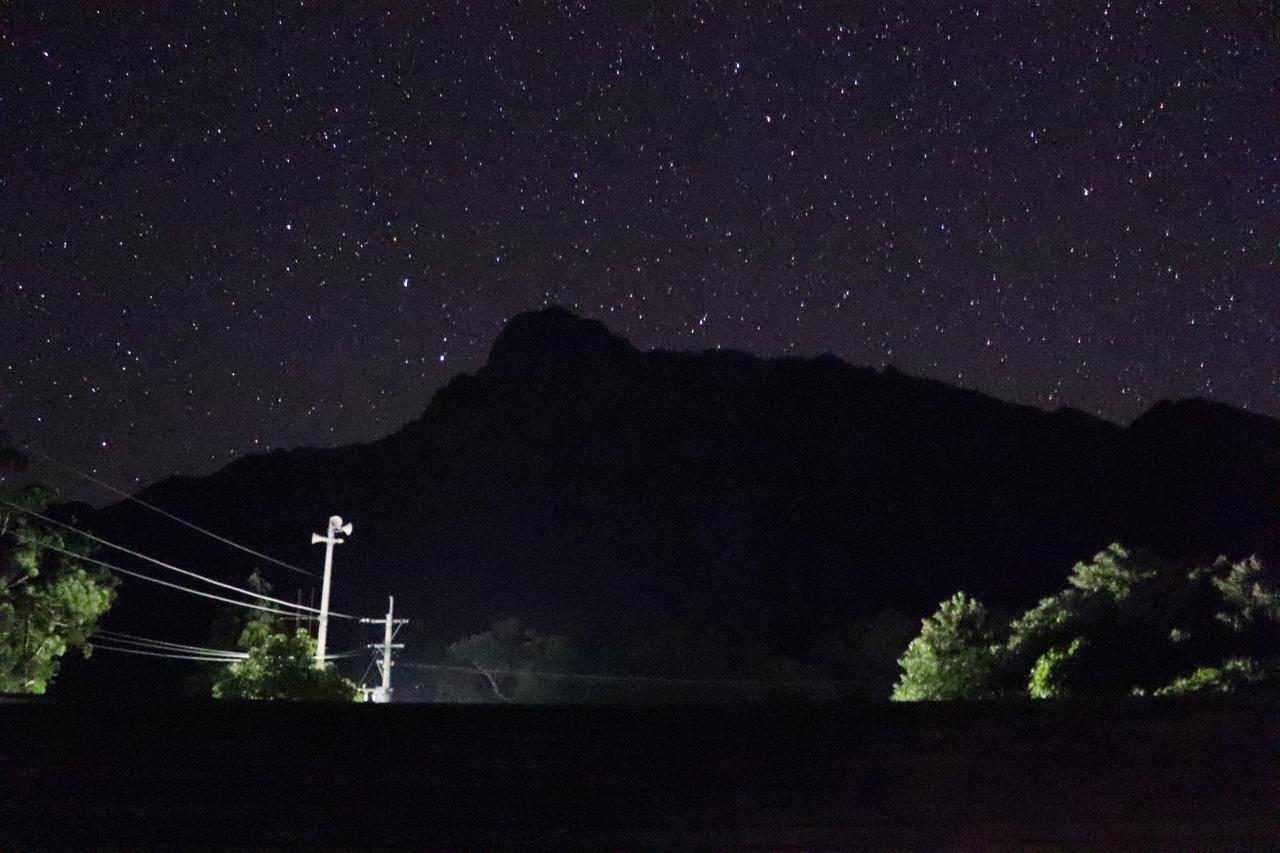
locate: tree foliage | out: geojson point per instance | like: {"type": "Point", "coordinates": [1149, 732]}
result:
{"type": "Point", "coordinates": [1125, 625]}
{"type": "Point", "coordinates": [1113, 572]}
{"type": "Point", "coordinates": [50, 603]}
{"type": "Point", "coordinates": [510, 659]}
{"type": "Point", "coordinates": [1237, 675]}
{"type": "Point", "coordinates": [955, 657]}
{"type": "Point", "coordinates": [1050, 674]}
{"type": "Point", "coordinates": [1250, 595]}
{"type": "Point", "coordinates": [1094, 637]}
{"type": "Point", "coordinates": [280, 665]}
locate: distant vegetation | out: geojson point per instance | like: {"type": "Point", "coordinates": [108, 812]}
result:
{"type": "Point", "coordinates": [50, 603]}
{"type": "Point", "coordinates": [510, 660]}
{"type": "Point", "coordinates": [1125, 625]}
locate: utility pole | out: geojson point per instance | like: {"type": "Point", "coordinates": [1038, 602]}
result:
{"type": "Point", "coordinates": [383, 693]}
{"type": "Point", "coordinates": [335, 527]}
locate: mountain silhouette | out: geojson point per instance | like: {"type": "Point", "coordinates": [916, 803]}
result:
{"type": "Point", "coordinates": [576, 481]}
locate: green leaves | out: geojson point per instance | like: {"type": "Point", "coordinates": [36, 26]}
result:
{"type": "Point", "coordinates": [955, 656]}
{"type": "Point", "coordinates": [1114, 571]}
{"type": "Point", "coordinates": [1228, 678]}
{"type": "Point", "coordinates": [1250, 593]}
{"type": "Point", "coordinates": [49, 604]}
{"type": "Point", "coordinates": [282, 666]}
{"type": "Point", "coordinates": [1124, 626]}
{"type": "Point", "coordinates": [1047, 676]}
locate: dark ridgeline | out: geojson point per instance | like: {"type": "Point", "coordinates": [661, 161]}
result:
{"type": "Point", "coordinates": [579, 483]}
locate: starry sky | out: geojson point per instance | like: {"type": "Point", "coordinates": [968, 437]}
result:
{"type": "Point", "coordinates": [231, 227]}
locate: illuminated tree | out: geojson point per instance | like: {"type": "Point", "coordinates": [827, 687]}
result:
{"type": "Point", "coordinates": [1105, 633]}
{"type": "Point", "coordinates": [280, 665]}
{"type": "Point", "coordinates": [1113, 571]}
{"type": "Point", "coordinates": [1123, 626]}
{"type": "Point", "coordinates": [956, 655]}
{"type": "Point", "coordinates": [1244, 635]}
{"type": "Point", "coordinates": [1250, 593]}
{"type": "Point", "coordinates": [1238, 675]}
{"type": "Point", "coordinates": [50, 602]}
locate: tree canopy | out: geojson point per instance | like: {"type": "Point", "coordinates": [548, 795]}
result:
{"type": "Point", "coordinates": [282, 666]}
{"type": "Point", "coordinates": [1125, 625]}
{"type": "Point", "coordinates": [280, 663]}
{"type": "Point", "coordinates": [511, 659]}
{"type": "Point", "coordinates": [50, 602]}
{"type": "Point", "coordinates": [955, 656]}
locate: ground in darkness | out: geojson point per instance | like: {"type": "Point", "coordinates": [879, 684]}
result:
{"type": "Point", "coordinates": [1090, 776]}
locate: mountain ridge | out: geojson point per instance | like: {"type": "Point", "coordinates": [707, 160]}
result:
{"type": "Point", "coordinates": [577, 480]}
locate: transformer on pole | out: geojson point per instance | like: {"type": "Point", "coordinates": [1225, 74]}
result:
{"type": "Point", "coordinates": [383, 693]}
{"type": "Point", "coordinates": [335, 527]}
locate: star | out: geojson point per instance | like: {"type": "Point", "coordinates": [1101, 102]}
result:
{"type": "Point", "coordinates": [910, 192]}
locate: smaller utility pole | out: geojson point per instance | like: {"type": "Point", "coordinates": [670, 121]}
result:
{"type": "Point", "coordinates": [335, 527]}
{"type": "Point", "coordinates": [383, 693]}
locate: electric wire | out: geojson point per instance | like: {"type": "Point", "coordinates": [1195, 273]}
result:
{"type": "Point", "coordinates": [228, 658]}
{"type": "Point", "coordinates": [637, 679]}
{"type": "Point", "coordinates": [124, 636]}
{"type": "Point", "coordinates": [171, 567]}
{"type": "Point", "coordinates": [188, 652]}
{"type": "Point", "coordinates": [367, 670]}
{"type": "Point", "coordinates": [206, 658]}
{"type": "Point", "coordinates": [201, 593]}
{"type": "Point", "coordinates": [187, 649]}
{"type": "Point", "coordinates": [132, 639]}
{"type": "Point", "coordinates": [166, 513]}
{"type": "Point", "coordinates": [374, 659]}
{"type": "Point", "coordinates": [174, 648]}
{"type": "Point", "coordinates": [140, 576]}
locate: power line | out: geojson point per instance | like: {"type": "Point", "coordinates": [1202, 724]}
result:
{"type": "Point", "coordinates": [140, 576]}
{"type": "Point", "coordinates": [174, 647]}
{"type": "Point", "coordinates": [125, 636]}
{"type": "Point", "coordinates": [374, 660]}
{"type": "Point", "coordinates": [169, 566]}
{"type": "Point", "coordinates": [206, 658]}
{"type": "Point", "coordinates": [636, 679]}
{"type": "Point", "coordinates": [347, 654]}
{"type": "Point", "coordinates": [166, 513]}
{"type": "Point", "coordinates": [367, 669]}
{"type": "Point", "coordinates": [185, 650]}
{"type": "Point", "coordinates": [227, 658]}
{"type": "Point", "coordinates": [132, 639]}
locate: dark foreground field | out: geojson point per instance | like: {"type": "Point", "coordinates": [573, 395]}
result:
{"type": "Point", "coordinates": [1124, 776]}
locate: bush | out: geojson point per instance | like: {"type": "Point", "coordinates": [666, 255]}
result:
{"type": "Point", "coordinates": [282, 666]}
{"type": "Point", "coordinates": [955, 656]}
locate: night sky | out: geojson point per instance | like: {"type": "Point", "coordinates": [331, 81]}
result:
{"type": "Point", "coordinates": [226, 228]}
